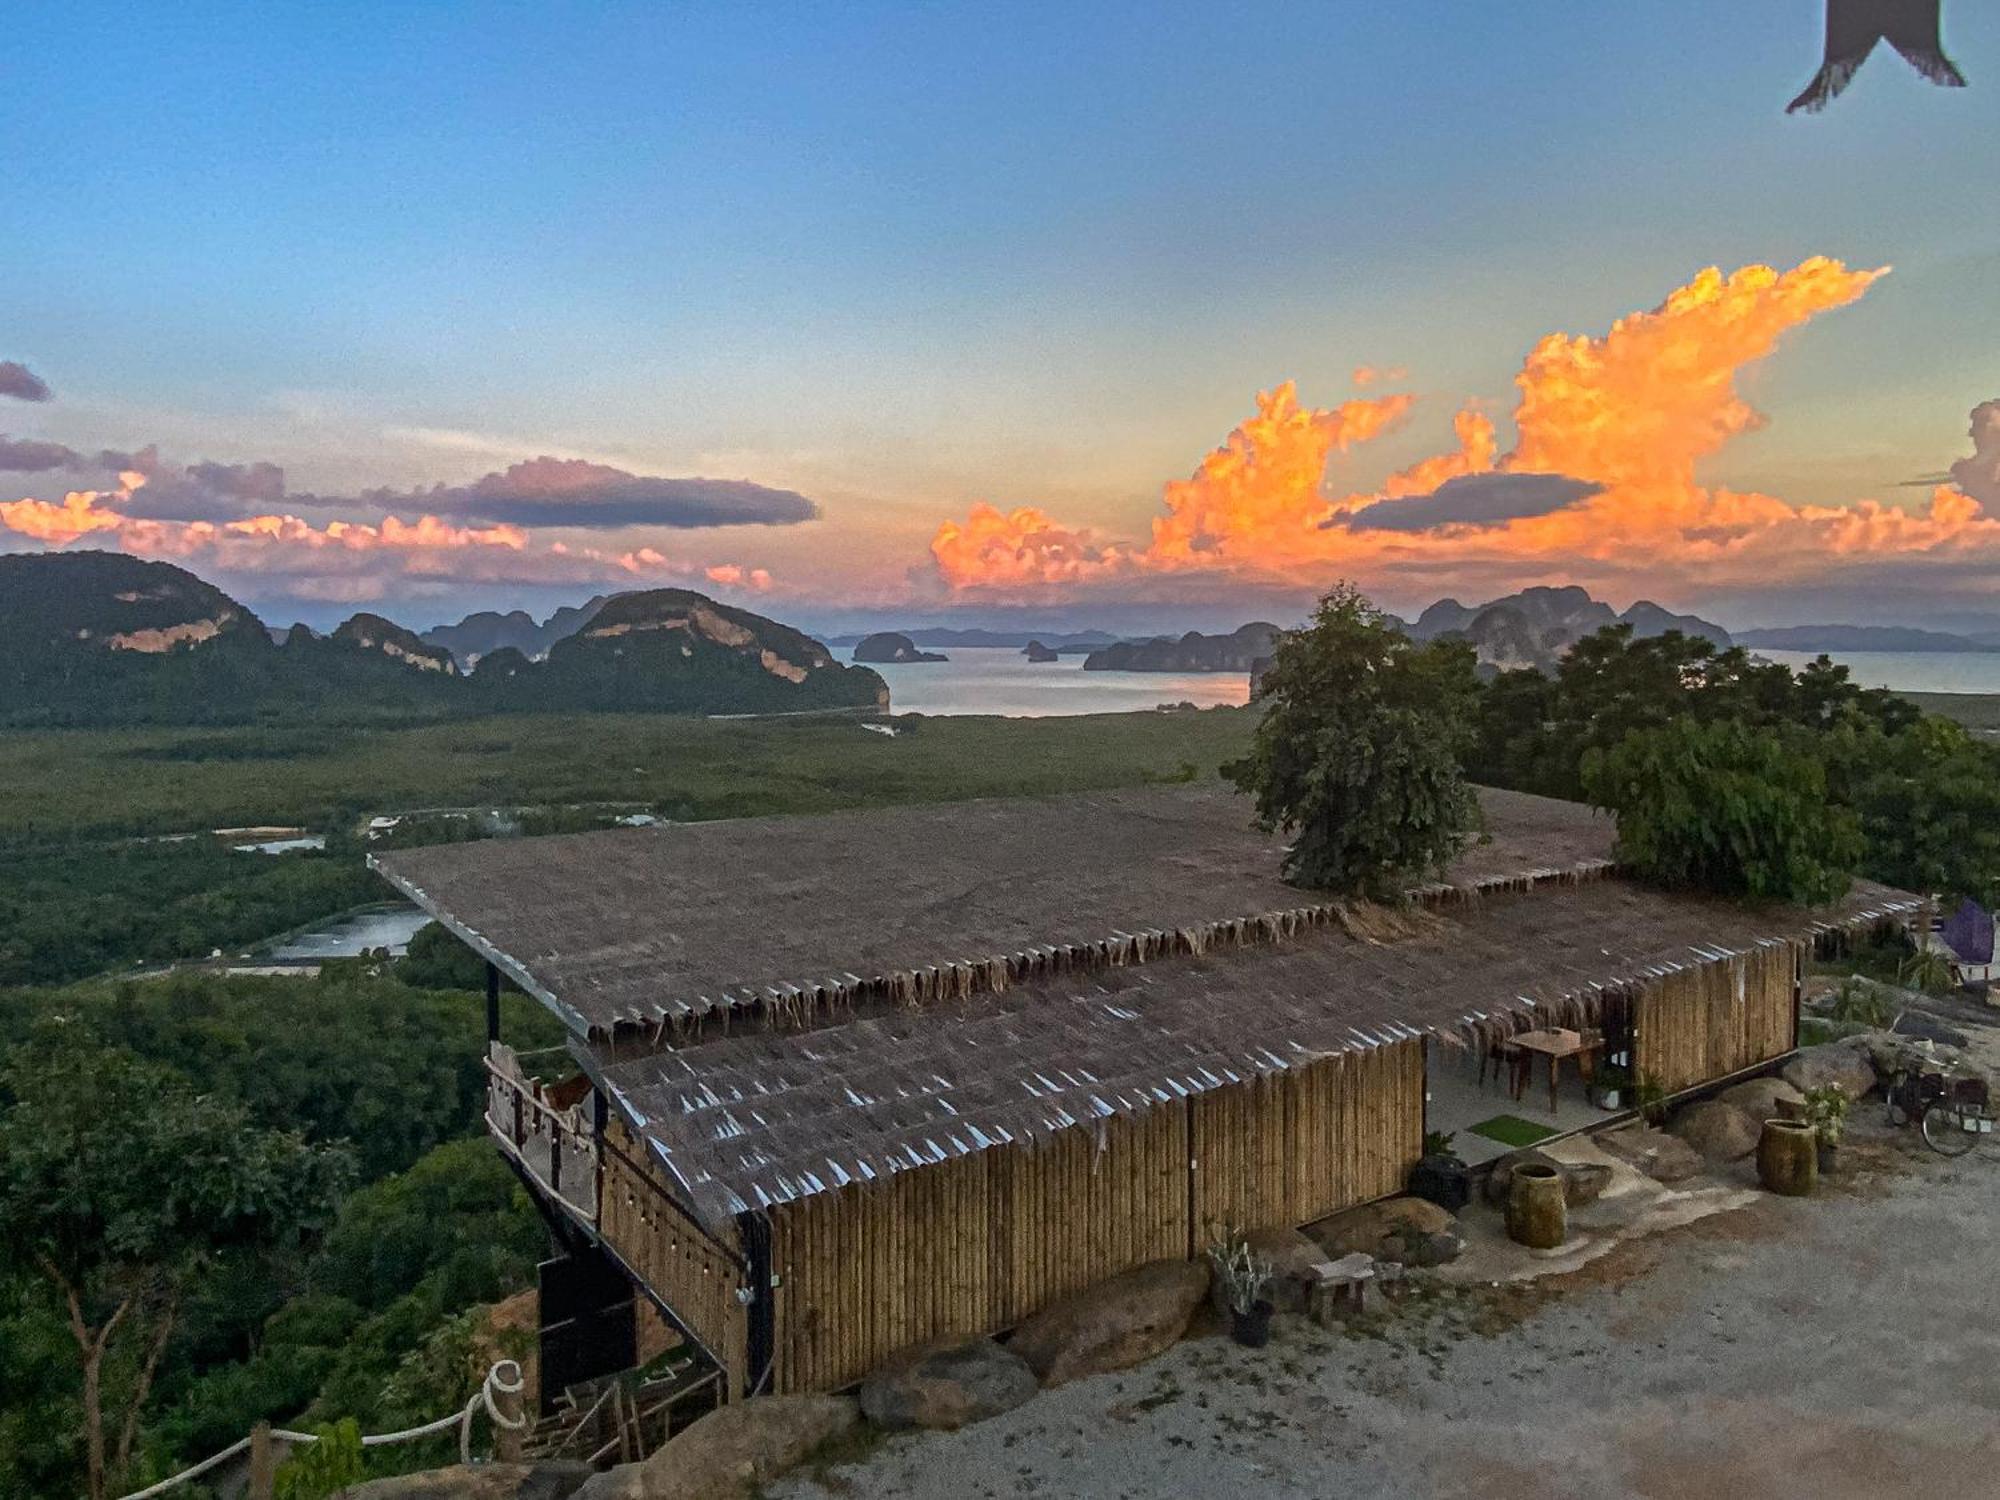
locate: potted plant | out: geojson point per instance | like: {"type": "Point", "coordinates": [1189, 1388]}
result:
{"type": "Point", "coordinates": [1609, 1085]}
{"type": "Point", "coordinates": [1651, 1099]}
{"type": "Point", "coordinates": [1441, 1175]}
{"type": "Point", "coordinates": [1243, 1277]}
{"type": "Point", "coordinates": [1826, 1111]}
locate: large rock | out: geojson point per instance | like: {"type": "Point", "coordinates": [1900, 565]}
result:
{"type": "Point", "coordinates": [731, 1451]}
{"type": "Point", "coordinates": [947, 1386]}
{"type": "Point", "coordinates": [1926, 1028]}
{"type": "Point", "coordinates": [1844, 1062]}
{"type": "Point", "coordinates": [543, 1481]}
{"type": "Point", "coordinates": [1660, 1156]}
{"type": "Point", "coordinates": [1292, 1254]}
{"type": "Point", "coordinates": [1583, 1182]}
{"type": "Point", "coordinates": [1761, 1098]}
{"type": "Point", "coordinates": [1113, 1324]}
{"type": "Point", "coordinates": [1720, 1132]}
{"type": "Point", "coordinates": [1409, 1231]}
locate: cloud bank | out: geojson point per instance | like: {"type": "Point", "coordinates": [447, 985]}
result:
{"type": "Point", "coordinates": [1599, 488]}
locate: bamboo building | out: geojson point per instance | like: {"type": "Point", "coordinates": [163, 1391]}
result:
{"type": "Point", "coordinates": [840, 1085]}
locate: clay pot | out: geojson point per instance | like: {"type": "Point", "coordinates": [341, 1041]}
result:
{"type": "Point", "coordinates": [1788, 1157]}
{"type": "Point", "coordinates": [1537, 1215]}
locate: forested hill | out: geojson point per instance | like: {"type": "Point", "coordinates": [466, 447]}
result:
{"type": "Point", "coordinates": [98, 638]}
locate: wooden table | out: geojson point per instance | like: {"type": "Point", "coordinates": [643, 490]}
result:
{"type": "Point", "coordinates": [1555, 1044]}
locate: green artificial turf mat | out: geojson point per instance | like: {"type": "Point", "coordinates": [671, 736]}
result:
{"type": "Point", "coordinates": [1511, 1130]}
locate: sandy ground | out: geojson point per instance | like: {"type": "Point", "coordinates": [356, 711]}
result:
{"type": "Point", "coordinates": [1846, 1345]}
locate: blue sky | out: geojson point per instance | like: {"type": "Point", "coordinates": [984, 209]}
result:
{"type": "Point", "coordinates": [905, 259]}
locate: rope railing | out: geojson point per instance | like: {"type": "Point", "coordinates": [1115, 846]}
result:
{"type": "Point", "coordinates": [504, 1380]}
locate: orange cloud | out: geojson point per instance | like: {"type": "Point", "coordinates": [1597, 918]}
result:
{"type": "Point", "coordinates": [1019, 547]}
{"type": "Point", "coordinates": [1367, 375]}
{"type": "Point", "coordinates": [1622, 418]}
{"type": "Point", "coordinates": [58, 525]}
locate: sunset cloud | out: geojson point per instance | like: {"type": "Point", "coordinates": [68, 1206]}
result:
{"type": "Point", "coordinates": [1367, 375]}
{"type": "Point", "coordinates": [21, 383]}
{"type": "Point", "coordinates": [1600, 486]}
{"type": "Point", "coordinates": [1979, 475]}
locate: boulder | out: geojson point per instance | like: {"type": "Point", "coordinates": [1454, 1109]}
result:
{"type": "Point", "coordinates": [1909, 1023]}
{"type": "Point", "coordinates": [732, 1450]}
{"type": "Point", "coordinates": [1292, 1254]}
{"type": "Point", "coordinates": [1114, 1324]}
{"type": "Point", "coordinates": [1720, 1132]}
{"type": "Point", "coordinates": [1410, 1231]}
{"type": "Point", "coordinates": [1582, 1181]}
{"type": "Point", "coordinates": [947, 1386]}
{"type": "Point", "coordinates": [1760, 1098]}
{"type": "Point", "coordinates": [1660, 1156]}
{"type": "Point", "coordinates": [1846, 1063]}
{"type": "Point", "coordinates": [551, 1480]}
{"type": "Point", "coordinates": [1585, 1181]}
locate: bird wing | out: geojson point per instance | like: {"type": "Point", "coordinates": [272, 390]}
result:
{"type": "Point", "coordinates": [1853, 27]}
{"type": "Point", "coordinates": [1914, 30]}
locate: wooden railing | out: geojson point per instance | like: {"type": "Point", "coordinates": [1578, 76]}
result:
{"type": "Point", "coordinates": [557, 1147]}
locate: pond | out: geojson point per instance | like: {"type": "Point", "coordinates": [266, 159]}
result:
{"type": "Point", "coordinates": [351, 935]}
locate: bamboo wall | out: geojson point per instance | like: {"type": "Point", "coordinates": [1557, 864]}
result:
{"type": "Point", "coordinates": [976, 1243]}
{"type": "Point", "coordinates": [1302, 1144]}
{"type": "Point", "coordinates": [1705, 1023]}
{"type": "Point", "coordinates": [696, 1275]}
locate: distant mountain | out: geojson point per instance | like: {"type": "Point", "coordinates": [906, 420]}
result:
{"type": "Point", "coordinates": [1535, 627]}
{"type": "Point", "coordinates": [1193, 652]}
{"type": "Point", "coordinates": [1860, 638]}
{"type": "Point", "coordinates": [366, 632]}
{"type": "Point", "coordinates": [92, 638]}
{"type": "Point", "coordinates": [676, 651]}
{"type": "Point", "coordinates": [488, 630]}
{"type": "Point", "coordinates": [947, 636]}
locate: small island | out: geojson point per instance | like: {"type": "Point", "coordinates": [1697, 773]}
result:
{"type": "Point", "coordinates": [1036, 651]}
{"type": "Point", "coordinates": [1193, 652]}
{"type": "Point", "coordinates": [888, 646]}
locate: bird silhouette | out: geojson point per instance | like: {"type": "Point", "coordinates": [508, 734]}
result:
{"type": "Point", "coordinates": [1853, 27]}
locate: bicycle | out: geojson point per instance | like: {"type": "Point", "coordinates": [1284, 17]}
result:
{"type": "Point", "coordinates": [1953, 1114]}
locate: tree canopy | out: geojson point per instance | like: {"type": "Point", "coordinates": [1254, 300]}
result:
{"type": "Point", "coordinates": [1725, 808]}
{"type": "Point", "coordinates": [1358, 754]}
{"type": "Point", "coordinates": [122, 1186]}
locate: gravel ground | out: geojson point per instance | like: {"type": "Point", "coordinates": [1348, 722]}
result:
{"type": "Point", "coordinates": [1846, 1345]}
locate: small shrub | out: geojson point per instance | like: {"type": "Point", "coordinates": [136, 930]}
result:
{"type": "Point", "coordinates": [1826, 1111]}
{"type": "Point", "coordinates": [323, 1468]}
{"type": "Point", "coordinates": [1928, 970]}
{"type": "Point", "coordinates": [1861, 1001]}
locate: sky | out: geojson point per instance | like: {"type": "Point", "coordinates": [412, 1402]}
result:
{"type": "Point", "coordinates": [1142, 316]}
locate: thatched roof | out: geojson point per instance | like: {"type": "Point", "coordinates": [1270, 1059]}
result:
{"type": "Point", "coordinates": [766, 1116]}
{"type": "Point", "coordinates": [802, 916]}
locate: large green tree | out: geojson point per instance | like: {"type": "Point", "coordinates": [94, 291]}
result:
{"type": "Point", "coordinates": [1358, 754]}
{"type": "Point", "coordinates": [121, 1187]}
{"type": "Point", "coordinates": [1725, 808]}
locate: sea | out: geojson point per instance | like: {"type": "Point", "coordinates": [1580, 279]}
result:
{"type": "Point", "coordinates": [1000, 680]}
{"type": "Point", "coordinates": [1908, 671]}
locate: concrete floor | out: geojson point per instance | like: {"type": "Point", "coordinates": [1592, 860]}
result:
{"type": "Point", "coordinates": [1459, 1101]}
{"type": "Point", "coordinates": [1845, 1347]}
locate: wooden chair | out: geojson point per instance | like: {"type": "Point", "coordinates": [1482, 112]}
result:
{"type": "Point", "coordinates": [1505, 1059]}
